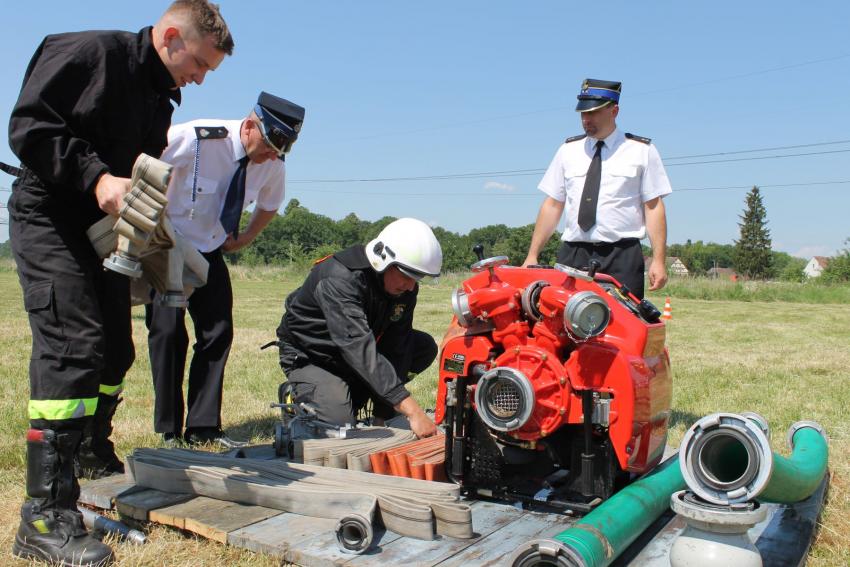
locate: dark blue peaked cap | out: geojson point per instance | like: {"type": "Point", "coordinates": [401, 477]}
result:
{"type": "Point", "coordinates": [596, 94]}
{"type": "Point", "coordinates": [280, 120]}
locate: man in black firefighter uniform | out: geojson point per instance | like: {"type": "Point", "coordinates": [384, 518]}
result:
{"type": "Point", "coordinates": [347, 334]}
{"type": "Point", "coordinates": [90, 103]}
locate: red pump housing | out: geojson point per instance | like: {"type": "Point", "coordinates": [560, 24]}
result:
{"type": "Point", "coordinates": [551, 372]}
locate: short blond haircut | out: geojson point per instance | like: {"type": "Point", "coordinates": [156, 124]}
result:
{"type": "Point", "coordinates": [206, 19]}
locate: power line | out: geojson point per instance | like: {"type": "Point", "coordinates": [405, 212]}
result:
{"type": "Point", "coordinates": [538, 171]}
{"type": "Point", "coordinates": [769, 186]}
{"type": "Point", "coordinates": [666, 89]}
{"type": "Point", "coordinates": [537, 194]}
{"type": "Point", "coordinates": [666, 159]}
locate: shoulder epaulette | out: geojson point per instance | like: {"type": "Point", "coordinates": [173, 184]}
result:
{"type": "Point", "coordinates": [575, 138]}
{"type": "Point", "coordinates": [210, 132]}
{"type": "Point", "coordinates": [637, 138]}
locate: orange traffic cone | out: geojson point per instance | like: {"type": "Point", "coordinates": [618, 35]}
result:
{"type": "Point", "coordinates": [668, 310]}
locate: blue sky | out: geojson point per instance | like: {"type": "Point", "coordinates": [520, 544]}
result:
{"type": "Point", "coordinates": [401, 89]}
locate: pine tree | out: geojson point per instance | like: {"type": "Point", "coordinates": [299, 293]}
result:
{"type": "Point", "coordinates": [752, 251]}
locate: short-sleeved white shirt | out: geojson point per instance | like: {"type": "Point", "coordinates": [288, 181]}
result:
{"type": "Point", "coordinates": [632, 174]}
{"type": "Point", "coordinates": [218, 160]}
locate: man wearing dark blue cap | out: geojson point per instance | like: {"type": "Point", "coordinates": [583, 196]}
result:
{"type": "Point", "coordinates": [221, 167]}
{"type": "Point", "coordinates": [611, 184]}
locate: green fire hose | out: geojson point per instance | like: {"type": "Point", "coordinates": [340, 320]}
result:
{"type": "Point", "coordinates": [721, 455]}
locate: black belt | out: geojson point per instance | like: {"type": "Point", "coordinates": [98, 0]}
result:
{"type": "Point", "coordinates": [622, 243]}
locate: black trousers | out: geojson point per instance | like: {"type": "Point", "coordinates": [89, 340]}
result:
{"type": "Point", "coordinates": [211, 309]}
{"type": "Point", "coordinates": [622, 260]}
{"type": "Point", "coordinates": [338, 399]}
{"type": "Point", "coordinates": [79, 313]}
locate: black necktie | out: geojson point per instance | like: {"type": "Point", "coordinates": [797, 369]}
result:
{"type": "Point", "coordinates": [590, 193]}
{"type": "Point", "coordinates": [232, 210]}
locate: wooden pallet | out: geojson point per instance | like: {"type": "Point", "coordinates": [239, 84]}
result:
{"type": "Point", "coordinates": [783, 538]}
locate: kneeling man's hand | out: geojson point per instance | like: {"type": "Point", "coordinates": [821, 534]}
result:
{"type": "Point", "coordinates": [420, 424]}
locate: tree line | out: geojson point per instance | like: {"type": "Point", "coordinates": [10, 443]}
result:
{"type": "Point", "coordinates": [300, 236]}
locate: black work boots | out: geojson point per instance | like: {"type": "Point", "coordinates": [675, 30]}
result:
{"type": "Point", "coordinates": [52, 527]}
{"type": "Point", "coordinates": [97, 457]}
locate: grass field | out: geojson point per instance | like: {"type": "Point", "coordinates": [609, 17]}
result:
{"type": "Point", "coordinates": [784, 358]}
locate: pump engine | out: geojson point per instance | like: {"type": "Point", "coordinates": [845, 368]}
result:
{"type": "Point", "coordinates": [554, 387]}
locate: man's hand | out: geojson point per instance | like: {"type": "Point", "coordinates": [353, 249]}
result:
{"type": "Point", "coordinates": [657, 275]}
{"type": "Point", "coordinates": [259, 220]}
{"type": "Point", "coordinates": [656, 228]}
{"type": "Point", "coordinates": [548, 218]}
{"type": "Point", "coordinates": [530, 260]}
{"type": "Point", "coordinates": [420, 424]}
{"type": "Point", "coordinates": [109, 192]}
{"type": "Point", "coordinates": [233, 244]}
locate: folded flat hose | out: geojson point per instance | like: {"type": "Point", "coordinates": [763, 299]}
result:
{"type": "Point", "coordinates": [408, 507]}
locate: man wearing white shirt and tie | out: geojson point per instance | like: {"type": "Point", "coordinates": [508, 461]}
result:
{"type": "Point", "coordinates": [220, 168]}
{"type": "Point", "coordinates": [611, 185]}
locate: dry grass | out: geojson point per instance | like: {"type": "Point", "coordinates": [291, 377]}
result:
{"type": "Point", "coordinates": [787, 361]}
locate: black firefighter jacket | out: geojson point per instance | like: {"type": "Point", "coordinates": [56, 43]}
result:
{"type": "Point", "coordinates": [90, 103]}
{"type": "Point", "coordinates": [342, 320]}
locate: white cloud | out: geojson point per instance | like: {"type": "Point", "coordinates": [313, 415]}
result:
{"type": "Point", "coordinates": [500, 186]}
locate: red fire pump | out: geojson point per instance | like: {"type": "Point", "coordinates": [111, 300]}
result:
{"type": "Point", "coordinates": [555, 385]}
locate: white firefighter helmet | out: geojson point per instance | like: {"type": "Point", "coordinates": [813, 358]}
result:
{"type": "Point", "coordinates": [409, 244]}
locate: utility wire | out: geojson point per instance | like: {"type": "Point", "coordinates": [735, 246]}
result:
{"type": "Point", "coordinates": [756, 150]}
{"type": "Point", "coordinates": [538, 171]}
{"type": "Point", "coordinates": [755, 158]}
{"type": "Point", "coordinates": [666, 89]}
{"type": "Point", "coordinates": [537, 194]}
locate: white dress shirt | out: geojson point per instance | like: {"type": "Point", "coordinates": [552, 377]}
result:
{"type": "Point", "coordinates": [198, 220]}
{"type": "Point", "coordinates": [632, 174]}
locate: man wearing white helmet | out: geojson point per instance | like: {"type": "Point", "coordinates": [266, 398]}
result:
{"type": "Point", "coordinates": [347, 334]}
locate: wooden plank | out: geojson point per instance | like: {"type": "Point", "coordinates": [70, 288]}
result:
{"type": "Point", "coordinates": [498, 546]}
{"type": "Point", "coordinates": [102, 492]}
{"type": "Point", "coordinates": [211, 518]}
{"type": "Point", "coordinates": [275, 535]}
{"type": "Point", "coordinates": [487, 517]}
{"type": "Point", "coordinates": [322, 550]}
{"type": "Point", "coordinates": [137, 505]}
{"type": "Point", "coordinates": [656, 551]}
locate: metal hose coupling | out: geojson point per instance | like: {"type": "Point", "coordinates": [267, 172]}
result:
{"type": "Point", "coordinates": [96, 522]}
{"type": "Point", "coordinates": [546, 553]}
{"type": "Point", "coordinates": [354, 534]}
{"type": "Point", "coordinates": [726, 459]}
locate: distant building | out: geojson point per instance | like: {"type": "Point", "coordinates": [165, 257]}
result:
{"type": "Point", "coordinates": [815, 266]}
{"type": "Point", "coordinates": [676, 266]}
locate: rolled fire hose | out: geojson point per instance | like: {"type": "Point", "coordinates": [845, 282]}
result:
{"type": "Point", "coordinates": [720, 449]}
{"type": "Point", "coordinates": [351, 452]}
{"type": "Point", "coordinates": [139, 217]}
{"type": "Point", "coordinates": [408, 507]}
{"type": "Point", "coordinates": [170, 265]}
